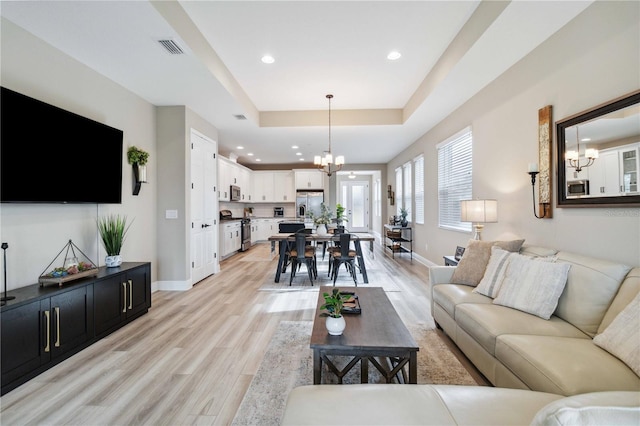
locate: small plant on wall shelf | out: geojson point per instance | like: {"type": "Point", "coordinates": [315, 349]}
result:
{"type": "Point", "coordinates": [137, 156]}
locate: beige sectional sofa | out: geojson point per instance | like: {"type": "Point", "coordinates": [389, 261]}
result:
{"type": "Point", "coordinates": [515, 349]}
{"type": "Point", "coordinates": [546, 371]}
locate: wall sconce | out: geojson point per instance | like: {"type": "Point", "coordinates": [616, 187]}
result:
{"type": "Point", "coordinates": [390, 195]}
{"type": "Point", "coordinates": [544, 156]}
{"type": "Point", "coordinates": [478, 212]}
{"type": "Point", "coordinates": [139, 177]}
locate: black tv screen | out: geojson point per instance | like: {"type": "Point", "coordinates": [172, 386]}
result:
{"type": "Point", "coordinates": [49, 155]}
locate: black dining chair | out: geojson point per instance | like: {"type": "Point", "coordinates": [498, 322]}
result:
{"type": "Point", "coordinates": [345, 255]}
{"type": "Point", "coordinates": [333, 246]}
{"type": "Point", "coordinates": [302, 253]}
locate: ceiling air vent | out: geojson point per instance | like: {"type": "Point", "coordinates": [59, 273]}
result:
{"type": "Point", "coordinates": [171, 47]}
{"type": "Point", "coordinates": [240, 117]}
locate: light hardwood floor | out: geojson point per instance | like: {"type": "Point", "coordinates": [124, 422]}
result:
{"type": "Point", "coordinates": [191, 358]}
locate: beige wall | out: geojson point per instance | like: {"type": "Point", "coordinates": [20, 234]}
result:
{"type": "Point", "coordinates": [37, 232]}
{"type": "Point", "coordinates": [594, 59]}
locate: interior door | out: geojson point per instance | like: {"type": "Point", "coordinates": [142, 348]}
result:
{"type": "Point", "coordinates": [354, 196]}
{"type": "Point", "coordinates": [204, 229]}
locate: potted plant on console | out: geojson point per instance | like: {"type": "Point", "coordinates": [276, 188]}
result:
{"type": "Point", "coordinates": [113, 229]}
{"type": "Point", "coordinates": [403, 217]}
{"type": "Point", "coordinates": [333, 304]}
{"type": "Point", "coordinates": [138, 159]}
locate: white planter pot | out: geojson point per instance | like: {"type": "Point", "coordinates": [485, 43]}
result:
{"type": "Point", "coordinates": [113, 261]}
{"type": "Point", "coordinates": [335, 326]}
{"type": "Point", "coordinates": [322, 229]}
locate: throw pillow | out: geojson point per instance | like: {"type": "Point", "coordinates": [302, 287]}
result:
{"type": "Point", "coordinates": [494, 274]}
{"type": "Point", "coordinates": [471, 267]}
{"type": "Point", "coordinates": [532, 286]}
{"type": "Point", "coordinates": [621, 338]}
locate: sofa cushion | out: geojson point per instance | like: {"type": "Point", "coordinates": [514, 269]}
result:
{"type": "Point", "coordinates": [532, 286]}
{"type": "Point", "coordinates": [474, 261]}
{"type": "Point", "coordinates": [597, 408]}
{"type": "Point", "coordinates": [591, 286]}
{"type": "Point", "coordinates": [537, 251]}
{"type": "Point", "coordinates": [393, 404]}
{"type": "Point", "coordinates": [629, 288]}
{"type": "Point", "coordinates": [622, 337]}
{"type": "Point", "coordinates": [494, 274]}
{"type": "Point", "coordinates": [563, 365]}
{"type": "Point", "coordinates": [449, 296]}
{"type": "Point", "coordinates": [486, 322]}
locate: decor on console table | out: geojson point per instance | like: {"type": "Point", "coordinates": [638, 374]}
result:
{"type": "Point", "coordinates": [138, 159]}
{"type": "Point", "coordinates": [403, 217]}
{"type": "Point", "coordinates": [5, 298]}
{"type": "Point", "coordinates": [71, 267]}
{"type": "Point", "coordinates": [333, 304]}
{"type": "Point", "coordinates": [113, 230]}
{"type": "Point", "coordinates": [322, 220]}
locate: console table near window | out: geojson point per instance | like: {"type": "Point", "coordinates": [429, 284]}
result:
{"type": "Point", "coordinates": [399, 239]}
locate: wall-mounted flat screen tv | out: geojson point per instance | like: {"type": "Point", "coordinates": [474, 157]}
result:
{"type": "Point", "coordinates": [49, 155]}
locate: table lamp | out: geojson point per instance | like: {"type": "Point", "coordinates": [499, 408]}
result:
{"type": "Point", "coordinates": [478, 212]}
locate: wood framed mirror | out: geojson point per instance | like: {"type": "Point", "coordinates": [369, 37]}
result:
{"type": "Point", "coordinates": [598, 155]}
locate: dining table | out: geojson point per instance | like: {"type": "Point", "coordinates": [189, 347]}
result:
{"type": "Point", "coordinates": [285, 238]}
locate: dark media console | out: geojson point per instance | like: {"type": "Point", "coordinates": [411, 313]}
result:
{"type": "Point", "coordinates": [43, 326]}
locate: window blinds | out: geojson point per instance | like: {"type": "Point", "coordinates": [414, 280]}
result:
{"type": "Point", "coordinates": [454, 179]}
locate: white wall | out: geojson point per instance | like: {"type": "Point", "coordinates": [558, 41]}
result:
{"type": "Point", "coordinates": [37, 232]}
{"type": "Point", "coordinates": [594, 59]}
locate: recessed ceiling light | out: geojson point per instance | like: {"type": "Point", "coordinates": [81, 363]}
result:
{"type": "Point", "coordinates": [268, 59]}
{"type": "Point", "coordinates": [257, 159]}
{"type": "Point", "coordinates": [239, 147]}
{"type": "Point", "coordinates": [298, 153]}
{"type": "Point", "coordinates": [250, 154]}
{"type": "Point", "coordinates": [302, 159]}
{"type": "Point", "coordinates": [394, 55]}
{"type": "Point", "coordinates": [294, 146]}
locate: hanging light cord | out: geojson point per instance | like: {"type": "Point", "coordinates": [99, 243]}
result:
{"type": "Point", "coordinates": [329, 97]}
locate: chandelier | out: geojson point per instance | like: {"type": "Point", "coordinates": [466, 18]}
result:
{"type": "Point", "coordinates": [573, 157]}
{"type": "Point", "coordinates": [325, 162]}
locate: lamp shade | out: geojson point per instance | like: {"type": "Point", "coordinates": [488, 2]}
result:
{"type": "Point", "coordinates": [479, 211]}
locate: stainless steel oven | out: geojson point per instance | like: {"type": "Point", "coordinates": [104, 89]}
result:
{"type": "Point", "coordinates": [245, 234]}
{"type": "Point", "coordinates": [577, 188]}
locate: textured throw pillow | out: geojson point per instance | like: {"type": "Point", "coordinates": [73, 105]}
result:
{"type": "Point", "coordinates": [622, 338]}
{"type": "Point", "coordinates": [532, 286]}
{"type": "Point", "coordinates": [494, 274]}
{"type": "Point", "coordinates": [471, 267]}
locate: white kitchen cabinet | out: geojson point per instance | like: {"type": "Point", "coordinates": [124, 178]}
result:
{"type": "Point", "coordinates": [230, 237]}
{"type": "Point", "coordinates": [283, 187]}
{"type": "Point", "coordinates": [224, 176]}
{"type": "Point", "coordinates": [245, 183]}
{"type": "Point", "coordinates": [232, 173]}
{"type": "Point", "coordinates": [629, 166]}
{"type": "Point", "coordinates": [309, 179]}
{"type": "Point", "coordinates": [604, 175]}
{"type": "Point", "coordinates": [263, 190]}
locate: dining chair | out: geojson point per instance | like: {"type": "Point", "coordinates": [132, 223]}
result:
{"type": "Point", "coordinates": [333, 247]}
{"type": "Point", "coordinates": [303, 253]}
{"type": "Point", "coordinates": [345, 255]}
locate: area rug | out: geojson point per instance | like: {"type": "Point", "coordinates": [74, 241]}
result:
{"type": "Point", "coordinates": [288, 364]}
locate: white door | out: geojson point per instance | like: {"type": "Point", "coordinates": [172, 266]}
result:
{"type": "Point", "coordinates": [204, 229]}
{"type": "Point", "coordinates": [354, 197]}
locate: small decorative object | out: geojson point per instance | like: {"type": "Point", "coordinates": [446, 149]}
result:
{"type": "Point", "coordinates": [459, 253]}
{"type": "Point", "coordinates": [403, 217]}
{"type": "Point", "coordinates": [71, 267]}
{"type": "Point", "coordinates": [113, 229]}
{"type": "Point", "coordinates": [138, 159]}
{"type": "Point", "coordinates": [333, 304]}
{"type": "Point", "coordinates": [5, 298]}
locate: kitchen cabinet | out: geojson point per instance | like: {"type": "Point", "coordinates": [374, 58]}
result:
{"type": "Point", "coordinates": [629, 167]}
{"type": "Point", "coordinates": [309, 179]}
{"type": "Point", "coordinates": [283, 187]}
{"type": "Point", "coordinates": [232, 173]}
{"type": "Point", "coordinates": [43, 326]}
{"type": "Point", "coordinates": [273, 186]}
{"type": "Point", "coordinates": [230, 237]}
{"type": "Point", "coordinates": [263, 190]}
{"type": "Point", "coordinates": [604, 175]}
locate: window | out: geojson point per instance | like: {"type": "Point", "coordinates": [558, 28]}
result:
{"type": "Point", "coordinates": [398, 190]}
{"type": "Point", "coordinates": [376, 198]}
{"type": "Point", "coordinates": [418, 188]}
{"type": "Point", "coordinates": [406, 189]}
{"type": "Point", "coordinates": [454, 179]}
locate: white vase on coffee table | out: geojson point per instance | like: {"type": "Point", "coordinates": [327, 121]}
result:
{"type": "Point", "coordinates": [335, 326]}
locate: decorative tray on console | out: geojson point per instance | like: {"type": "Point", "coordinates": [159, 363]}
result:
{"type": "Point", "coordinates": [351, 306]}
{"type": "Point", "coordinates": [71, 267]}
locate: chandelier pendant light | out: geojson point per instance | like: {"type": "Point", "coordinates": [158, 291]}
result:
{"type": "Point", "coordinates": [573, 157]}
{"type": "Point", "coordinates": [326, 162]}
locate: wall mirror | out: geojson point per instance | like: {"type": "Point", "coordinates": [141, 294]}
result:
{"type": "Point", "coordinates": [598, 155]}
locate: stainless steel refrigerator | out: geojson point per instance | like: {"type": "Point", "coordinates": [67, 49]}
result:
{"type": "Point", "coordinates": [308, 201]}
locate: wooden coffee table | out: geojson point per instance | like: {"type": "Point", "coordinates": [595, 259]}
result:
{"type": "Point", "coordinates": [377, 335]}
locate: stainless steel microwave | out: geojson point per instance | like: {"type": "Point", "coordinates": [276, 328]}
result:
{"type": "Point", "coordinates": [235, 193]}
{"type": "Point", "coordinates": [577, 187]}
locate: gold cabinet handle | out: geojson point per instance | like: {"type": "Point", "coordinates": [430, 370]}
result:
{"type": "Point", "coordinates": [124, 307]}
{"type": "Point", "coordinates": [46, 315]}
{"type": "Point", "coordinates": [57, 310]}
{"type": "Point", "coordinates": [130, 294]}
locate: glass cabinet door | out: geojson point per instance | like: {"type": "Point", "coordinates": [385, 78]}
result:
{"type": "Point", "coordinates": [629, 170]}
